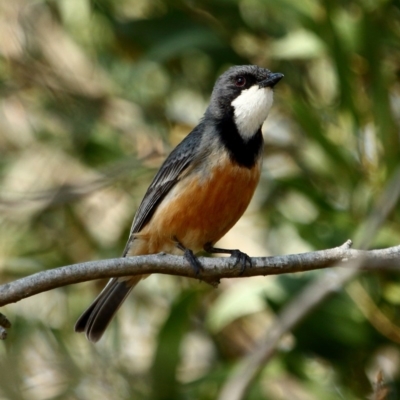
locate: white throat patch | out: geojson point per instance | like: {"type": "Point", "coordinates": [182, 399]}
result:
{"type": "Point", "coordinates": [251, 109]}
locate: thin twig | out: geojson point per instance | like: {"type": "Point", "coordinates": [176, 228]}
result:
{"type": "Point", "coordinates": [248, 368]}
{"type": "Point", "coordinates": [299, 308]}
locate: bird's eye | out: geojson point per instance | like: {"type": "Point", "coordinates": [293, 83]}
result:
{"type": "Point", "coordinates": [240, 81]}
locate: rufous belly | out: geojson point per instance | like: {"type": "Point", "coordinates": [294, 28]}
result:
{"type": "Point", "coordinates": [199, 209]}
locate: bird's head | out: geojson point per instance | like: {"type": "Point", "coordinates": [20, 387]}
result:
{"type": "Point", "coordinates": [244, 93]}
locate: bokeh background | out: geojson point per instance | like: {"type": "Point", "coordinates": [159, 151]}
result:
{"type": "Point", "coordinates": [93, 96]}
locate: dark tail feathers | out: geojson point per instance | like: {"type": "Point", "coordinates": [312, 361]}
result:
{"type": "Point", "coordinates": [96, 318]}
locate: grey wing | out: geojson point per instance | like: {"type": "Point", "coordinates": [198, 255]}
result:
{"type": "Point", "coordinates": [167, 176]}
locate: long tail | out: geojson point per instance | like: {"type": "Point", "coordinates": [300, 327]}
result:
{"type": "Point", "coordinates": [96, 318]}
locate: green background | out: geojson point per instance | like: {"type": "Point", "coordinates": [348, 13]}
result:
{"type": "Point", "coordinates": [93, 96]}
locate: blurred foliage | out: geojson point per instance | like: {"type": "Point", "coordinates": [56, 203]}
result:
{"type": "Point", "coordinates": [94, 94]}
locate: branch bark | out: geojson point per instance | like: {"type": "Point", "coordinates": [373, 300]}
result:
{"type": "Point", "coordinates": [214, 269]}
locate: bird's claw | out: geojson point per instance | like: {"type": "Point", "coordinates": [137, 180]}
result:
{"type": "Point", "coordinates": [242, 259]}
{"type": "Point", "coordinates": [193, 261]}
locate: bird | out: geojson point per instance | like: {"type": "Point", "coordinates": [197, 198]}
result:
{"type": "Point", "coordinates": [202, 188]}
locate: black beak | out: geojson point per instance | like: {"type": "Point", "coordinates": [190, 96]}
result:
{"type": "Point", "coordinates": [272, 80]}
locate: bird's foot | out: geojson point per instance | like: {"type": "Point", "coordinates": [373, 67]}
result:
{"type": "Point", "coordinates": [242, 259]}
{"type": "Point", "coordinates": [190, 257]}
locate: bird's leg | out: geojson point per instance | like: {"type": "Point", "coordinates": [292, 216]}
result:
{"type": "Point", "coordinates": [242, 259]}
{"type": "Point", "coordinates": [190, 257]}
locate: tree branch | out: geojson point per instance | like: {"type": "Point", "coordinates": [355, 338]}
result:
{"type": "Point", "coordinates": [214, 268]}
